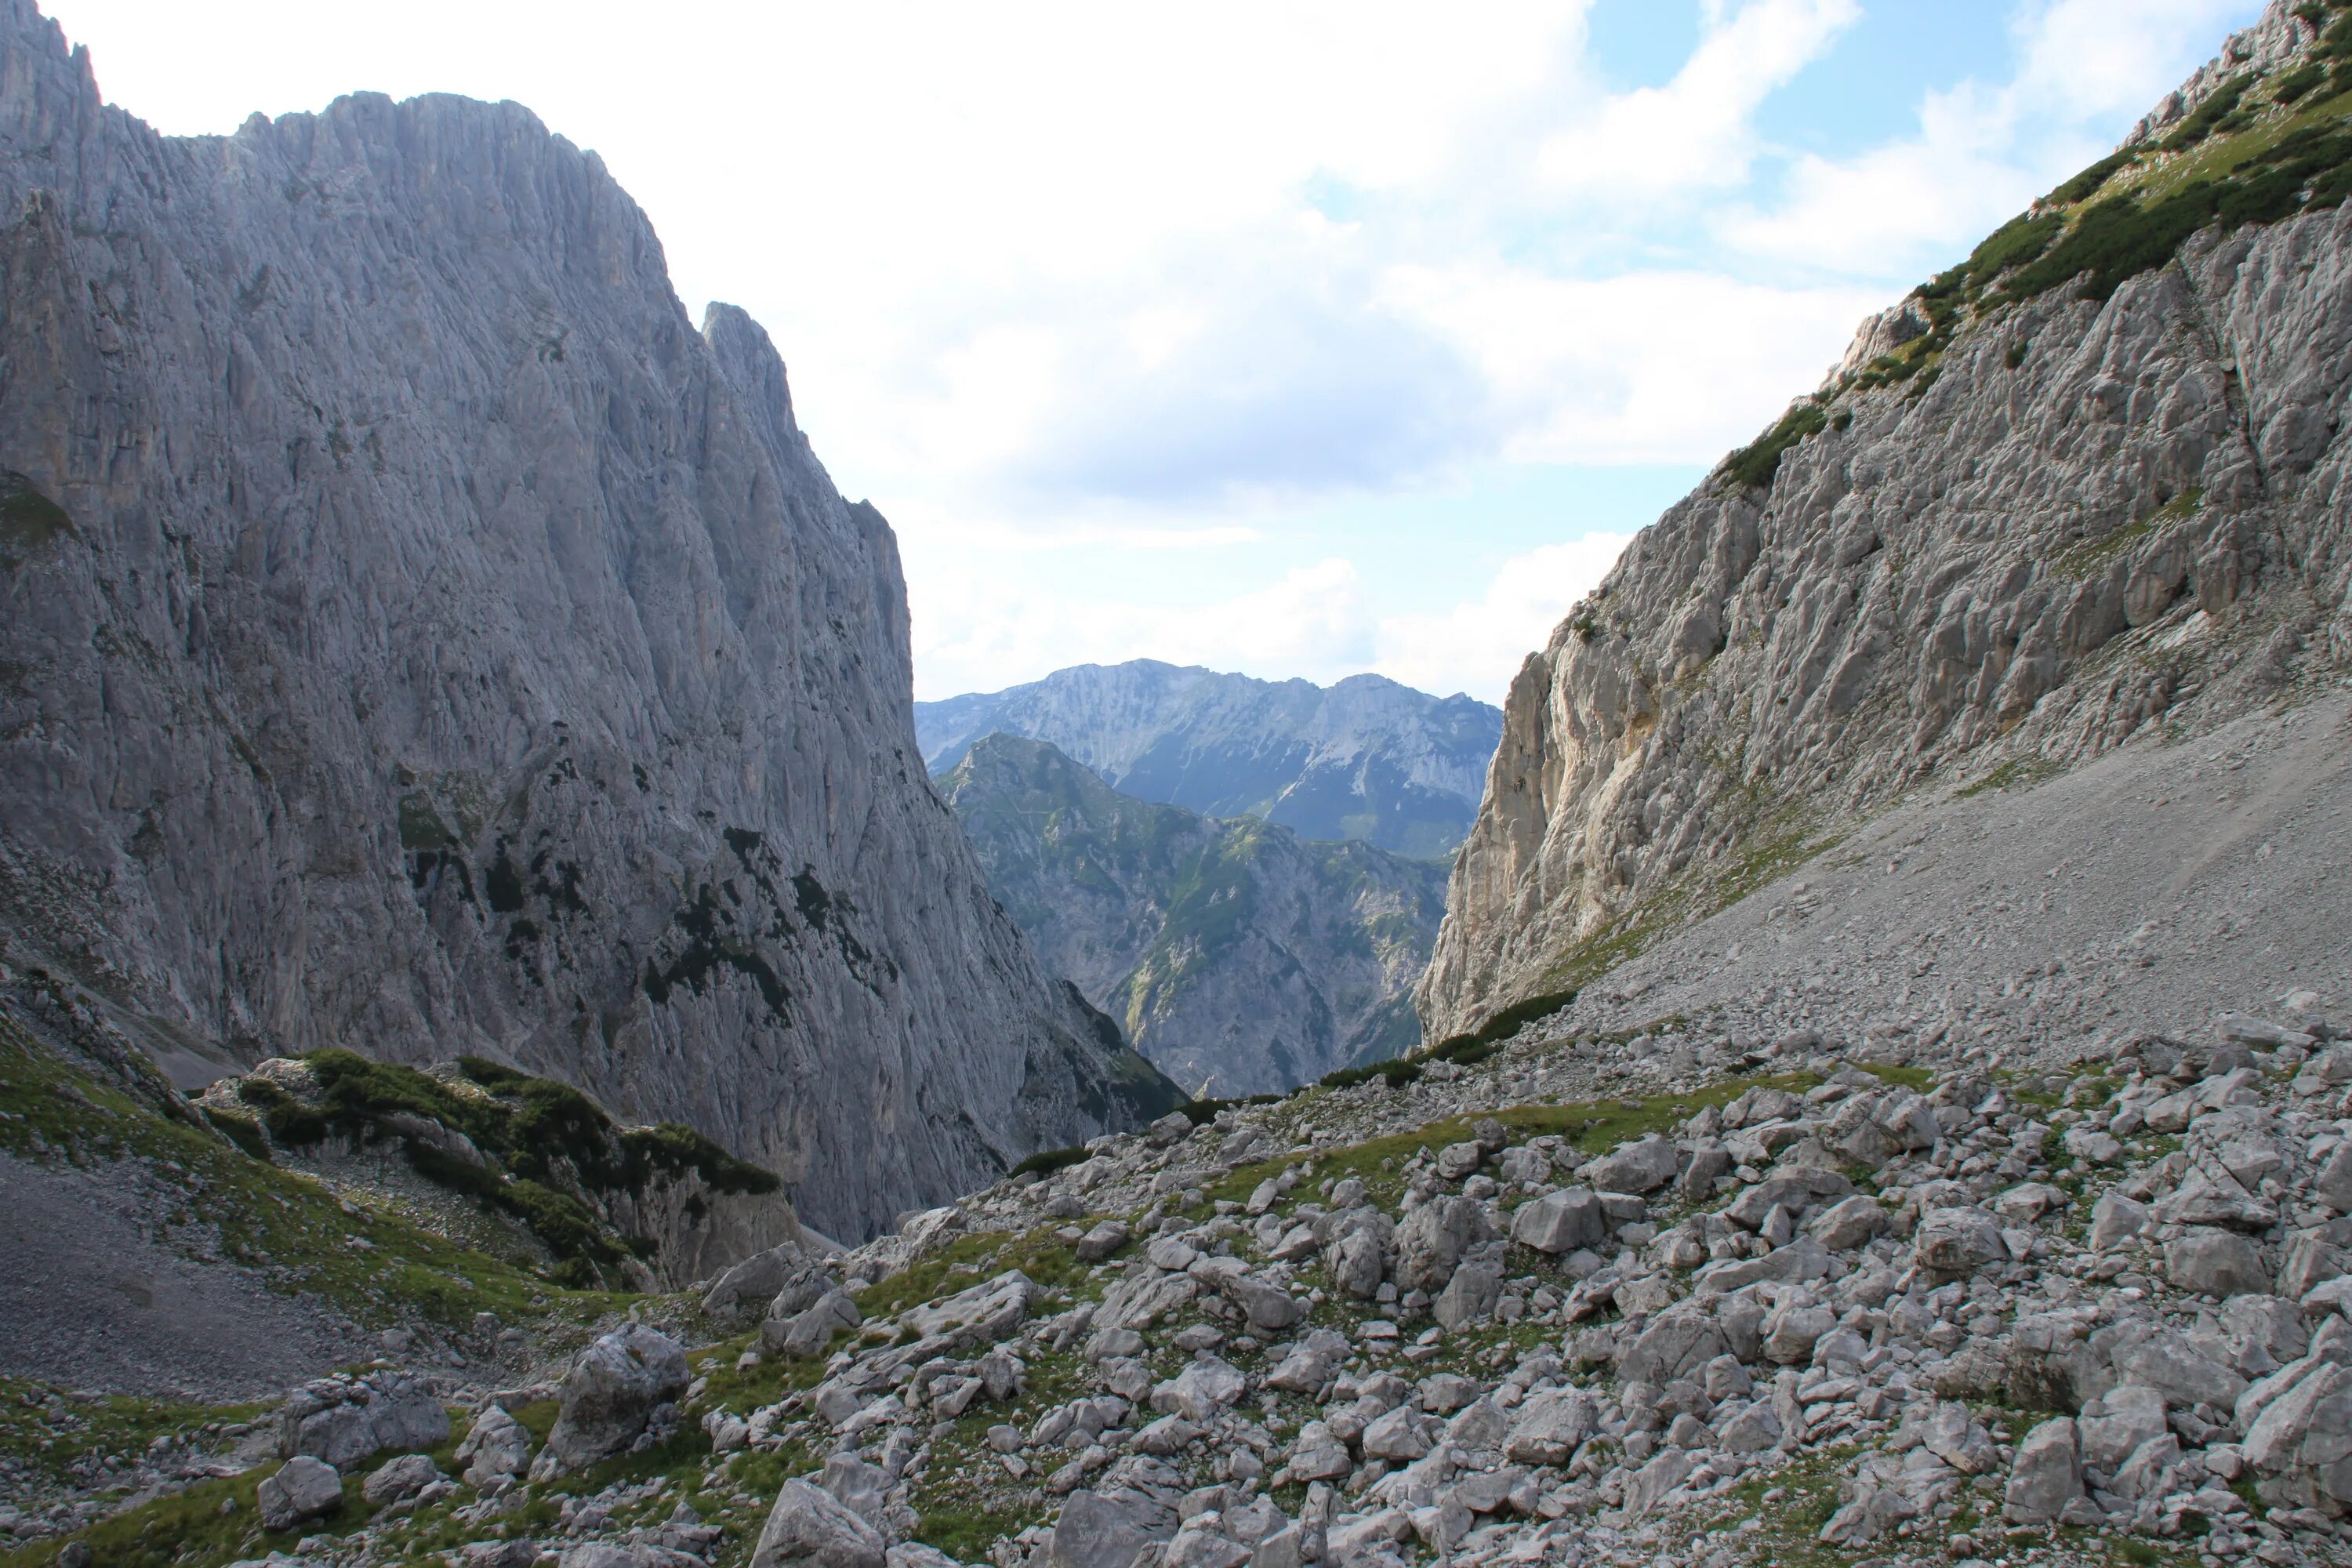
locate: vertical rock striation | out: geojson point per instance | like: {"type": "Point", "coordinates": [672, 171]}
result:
{"type": "Point", "coordinates": [415, 636]}
{"type": "Point", "coordinates": [2089, 484]}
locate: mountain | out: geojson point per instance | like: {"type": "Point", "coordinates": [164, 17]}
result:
{"type": "Point", "coordinates": [415, 636]}
{"type": "Point", "coordinates": [2084, 490]}
{"type": "Point", "coordinates": [1365, 758]}
{"type": "Point", "coordinates": [1241, 958]}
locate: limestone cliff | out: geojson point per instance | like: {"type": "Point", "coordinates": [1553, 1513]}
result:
{"type": "Point", "coordinates": [2088, 484]}
{"type": "Point", "coordinates": [415, 636]}
{"type": "Point", "coordinates": [1241, 958]}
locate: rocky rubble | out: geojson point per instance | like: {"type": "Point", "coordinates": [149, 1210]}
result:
{"type": "Point", "coordinates": [1948, 1313]}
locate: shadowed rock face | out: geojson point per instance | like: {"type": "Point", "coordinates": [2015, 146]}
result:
{"type": "Point", "coordinates": [1364, 758]}
{"type": "Point", "coordinates": [2093, 518]}
{"type": "Point", "coordinates": [415, 636]}
{"type": "Point", "coordinates": [1240, 958]}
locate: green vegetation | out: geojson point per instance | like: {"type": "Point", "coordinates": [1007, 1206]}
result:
{"type": "Point", "coordinates": [52, 1434]}
{"type": "Point", "coordinates": [1508, 1022]}
{"type": "Point", "coordinates": [535, 1139]}
{"type": "Point", "coordinates": [2081, 560]}
{"type": "Point", "coordinates": [1753, 467]}
{"type": "Point", "coordinates": [1046, 1161]}
{"type": "Point", "coordinates": [2016, 773]}
{"type": "Point", "coordinates": [294, 1230]}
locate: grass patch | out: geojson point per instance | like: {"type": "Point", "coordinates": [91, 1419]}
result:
{"type": "Point", "coordinates": [2080, 561]}
{"type": "Point", "coordinates": [2018, 772]}
{"type": "Point", "coordinates": [1753, 467]}
{"type": "Point", "coordinates": [291, 1229]}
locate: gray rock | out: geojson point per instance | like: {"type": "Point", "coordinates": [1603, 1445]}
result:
{"type": "Point", "coordinates": [2214, 1262]}
{"type": "Point", "coordinates": [607, 636]}
{"type": "Point", "coordinates": [2113, 1427]}
{"type": "Point", "coordinates": [808, 1332]}
{"type": "Point", "coordinates": [343, 1421]}
{"type": "Point", "coordinates": [1201, 1391]}
{"type": "Point", "coordinates": [1548, 1428]}
{"type": "Point", "coordinates": [1955, 1242]}
{"type": "Point", "coordinates": [809, 1525]}
{"type": "Point", "coordinates": [1431, 1240]}
{"type": "Point", "coordinates": [2115, 1219]}
{"type": "Point", "coordinates": [1094, 1531]}
{"type": "Point", "coordinates": [1470, 1296]}
{"type": "Point", "coordinates": [1560, 1222]}
{"type": "Point", "coordinates": [496, 1445]}
{"type": "Point", "coordinates": [1106, 1239]}
{"type": "Point", "coordinates": [303, 1488]}
{"type": "Point", "coordinates": [2046, 1476]}
{"type": "Point", "coordinates": [1642, 1165]}
{"type": "Point", "coordinates": [1849, 1224]}
{"type": "Point", "coordinates": [756, 1279]}
{"type": "Point", "coordinates": [1675, 1345]}
{"type": "Point", "coordinates": [395, 1481]}
{"type": "Point", "coordinates": [611, 1392]}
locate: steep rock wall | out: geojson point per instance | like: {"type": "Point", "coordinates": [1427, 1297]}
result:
{"type": "Point", "coordinates": [415, 636]}
{"type": "Point", "coordinates": [2083, 514]}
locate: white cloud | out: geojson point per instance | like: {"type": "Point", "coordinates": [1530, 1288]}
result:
{"type": "Point", "coordinates": [1694, 134]}
{"type": "Point", "coordinates": [1477, 646]}
{"type": "Point", "coordinates": [2087, 68]}
{"type": "Point", "coordinates": [1310, 622]}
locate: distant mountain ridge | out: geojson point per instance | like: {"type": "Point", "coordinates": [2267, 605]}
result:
{"type": "Point", "coordinates": [1239, 957]}
{"type": "Point", "coordinates": [1365, 758]}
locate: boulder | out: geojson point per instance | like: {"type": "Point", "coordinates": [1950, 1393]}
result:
{"type": "Point", "coordinates": [1644, 1165]}
{"type": "Point", "coordinates": [2115, 1219]}
{"type": "Point", "coordinates": [1560, 1222]}
{"type": "Point", "coordinates": [1791, 1187]}
{"type": "Point", "coordinates": [2113, 1427]}
{"type": "Point", "coordinates": [611, 1394]}
{"type": "Point", "coordinates": [2046, 1476]}
{"type": "Point", "coordinates": [1106, 1239]}
{"type": "Point", "coordinates": [1096, 1532]}
{"type": "Point", "coordinates": [1849, 1224]}
{"type": "Point", "coordinates": [1789, 1333]}
{"type": "Point", "coordinates": [344, 1420]}
{"type": "Point", "coordinates": [2334, 1185]}
{"type": "Point", "coordinates": [396, 1481]}
{"type": "Point", "coordinates": [1548, 1428]}
{"type": "Point", "coordinates": [807, 1334]}
{"type": "Point", "coordinates": [303, 1489]}
{"type": "Point", "coordinates": [982, 1314]}
{"type": "Point", "coordinates": [756, 1279]}
{"type": "Point", "coordinates": [810, 1526]}
{"type": "Point", "coordinates": [1400, 1436]}
{"type": "Point", "coordinates": [1675, 1345]}
{"type": "Point", "coordinates": [1201, 1391]}
{"type": "Point", "coordinates": [496, 1446]}
{"type": "Point", "coordinates": [1470, 1296]}
{"type": "Point", "coordinates": [2163, 1359]}
{"type": "Point", "coordinates": [1430, 1242]}
{"type": "Point", "coordinates": [2215, 1262]}
{"type": "Point", "coordinates": [2301, 1444]}
{"type": "Point", "coordinates": [1952, 1243]}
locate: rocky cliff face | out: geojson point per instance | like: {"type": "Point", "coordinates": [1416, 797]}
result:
{"type": "Point", "coordinates": [2086, 486]}
{"type": "Point", "coordinates": [1365, 758]}
{"type": "Point", "coordinates": [1241, 958]}
{"type": "Point", "coordinates": [415, 636]}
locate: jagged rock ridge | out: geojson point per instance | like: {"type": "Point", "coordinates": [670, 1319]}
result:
{"type": "Point", "coordinates": [1364, 758]}
{"type": "Point", "coordinates": [2087, 485]}
{"type": "Point", "coordinates": [414, 635]}
{"type": "Point", "coordinates": [1240, 958]}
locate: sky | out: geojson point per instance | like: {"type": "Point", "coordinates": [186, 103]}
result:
{"type": "Point", "coordinates": [1297, 338]}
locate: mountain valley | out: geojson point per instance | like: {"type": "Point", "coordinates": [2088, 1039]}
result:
{"type": "Point", "coordinates": [521, 1045]}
